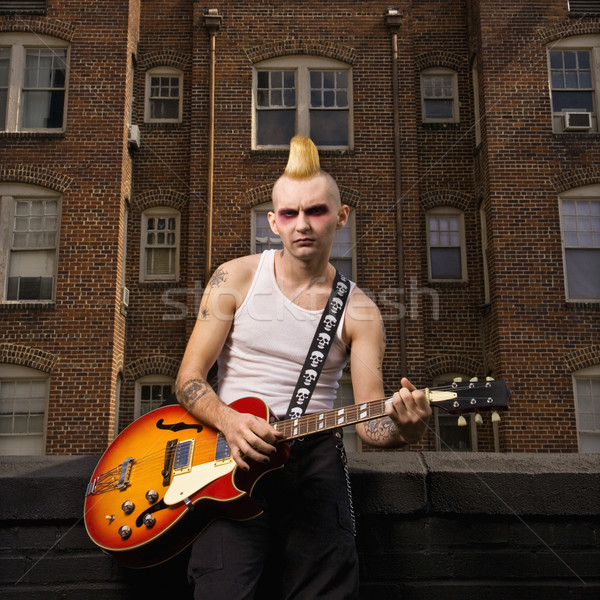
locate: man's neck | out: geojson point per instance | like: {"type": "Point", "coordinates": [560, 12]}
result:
{"type": "Point", "coordinates": [306, 283]}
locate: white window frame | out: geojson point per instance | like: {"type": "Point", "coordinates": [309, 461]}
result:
{"type": "Point", "coordinates": [585, 193]}
{"type": "Point", "coordinates": [302, 66]}
{"type": "Point", "coordinates": [150, 380]}
{"type": "Point", "coordinates": [589, 439]}
{"type": "Point", "coordinates": [346, 239]}
{"type": "Point", "coordinates": [26, 443]}
{"type": "Point", "coordinates": [454, 213]}
{"type": "Point", "coordinates": [10, 194]}
{"type": "Point", "coordinates": [163, 72]}
{"type": "Point", "coordinates": [440, 72]}
{"type": "Point", "coordinates": [167, 213]}
{"type": "Point", "coordinates": [19, 43]}
{"type": "Point", "coordinates": [590, 43]}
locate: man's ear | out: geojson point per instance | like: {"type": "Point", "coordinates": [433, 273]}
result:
{"type": "Point", "coordinates": [272, 224]}
{"type": "Point", "coordinates": [343, 213]}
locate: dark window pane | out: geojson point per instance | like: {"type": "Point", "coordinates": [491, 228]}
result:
{"type": "Point", "coordinates": [275, 127]}
{"type": "Point", "coordinates": [329, 127]}
{"type": "Point", "coordinates": [445, 263]}
{"type": "Point", "coordinates": [583, 273]}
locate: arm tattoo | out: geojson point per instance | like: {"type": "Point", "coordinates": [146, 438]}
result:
{"type": "Point", "coordinates": [382, 429]}
{"type": "Point", "coordinates": [218, 277]}
{"type": "Point", "coordinates": [190, 392]}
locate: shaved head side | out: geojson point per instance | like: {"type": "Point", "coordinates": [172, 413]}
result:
{"type": "Point", "coordinates": [303, 164]}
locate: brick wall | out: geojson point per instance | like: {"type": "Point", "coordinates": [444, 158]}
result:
{"type": "Point", "coordinates": [527, 333]}
{"type": "Point", "coordinates": [431, 526]}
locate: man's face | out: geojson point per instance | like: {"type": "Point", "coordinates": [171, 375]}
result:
{"type": "Point", "coordinates": [306, 214]}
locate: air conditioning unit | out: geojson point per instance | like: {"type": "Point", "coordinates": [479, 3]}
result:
{"type": "Point", "coordinates": [133, 137]}
{"type": "Point", "coordinates": [578, 121]}
{"type": "Point", "coordinates": [125, 297]}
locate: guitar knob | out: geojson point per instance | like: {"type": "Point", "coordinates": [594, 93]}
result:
{"type": "Point", "coordinates": [124, 531]}
{"type": "Point", "coordinates": [152, 496]}
{"type": "Point", "coordinates": [128, 507]}
{"type": "Point", "coordinates": [149, 520]}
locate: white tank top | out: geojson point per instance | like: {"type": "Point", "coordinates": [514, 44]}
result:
{"type": "Point", "coordinates": [267, 345]}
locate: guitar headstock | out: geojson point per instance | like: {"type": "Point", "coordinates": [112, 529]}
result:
{"type": "Point", "coordinates": [470, 396]}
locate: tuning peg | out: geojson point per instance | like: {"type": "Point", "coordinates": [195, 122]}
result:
{"type": "Point", "coordinates": [462, 422]}
{"type": "Point", "coordinates": [478, 419]}
{"type": "Point", "coordinates": [489, 379]}
{"type": "Point", "coordinates": [474, 379]}
{"type": "Point", "coordinates": [496, 417]}
{"type": "Point", "coordinates": [457, 379]}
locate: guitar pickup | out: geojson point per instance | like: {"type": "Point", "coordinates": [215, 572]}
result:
{"type": "Point", "coordinates": [183, 457]}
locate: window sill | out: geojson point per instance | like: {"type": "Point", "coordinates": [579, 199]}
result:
{"type": "Point", "coordinates": [583, 305]}
{"type": "Point", "coordinates": [7, 306]}
{"type": "Point", "coordinates": [33, 134]}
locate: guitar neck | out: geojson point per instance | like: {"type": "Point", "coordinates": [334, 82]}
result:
{"type": "Point", "coordinates": [454, 398]}
{"type": "Point", "coordinates": [331, 419]}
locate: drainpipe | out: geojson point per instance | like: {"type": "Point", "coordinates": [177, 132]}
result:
{"type": "Point", "coordinates": [393, 20]}
{"type": "Point", "coordinates": [212, 22]}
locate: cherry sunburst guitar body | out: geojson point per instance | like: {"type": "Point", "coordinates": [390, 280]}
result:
{"type": "Point", "coordinates": [148, 483]}
{"type": "Point", "coordinates": [167, 476]}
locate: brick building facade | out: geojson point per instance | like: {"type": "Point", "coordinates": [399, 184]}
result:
{"type": "Point", "coordinates": [140, 142]}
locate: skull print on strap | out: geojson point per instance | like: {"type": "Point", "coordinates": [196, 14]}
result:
{"type": "Point", "coordinates": [317, 353]}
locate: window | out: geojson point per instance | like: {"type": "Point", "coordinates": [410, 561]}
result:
{"type": "Point", "coordinates": [160, 244]}
{"type": "Point", "coordinates": [587, 398]}
{"type": "Point", "coordinates": [29, 220]}
{"type": "Point", "coordinates": [451, 437]}
{"type": "Point", "coordinates": [580, 215]}
{"type": "Point", "coordinates": [33, 82]}
{"type": "Point", "coordinates": [151, 392]}
{"type": "Point", "coordinates": [342, 251]}
{"type": "Point", "coordinates": [164, 87]}
{"type": "Point", "coordinates": [439, 96]}
{"type": "Point", "coordinates": [304, 95]}
{"type": "Point", "coordinates": [23, 400]}
{"type": "Point", "coordinates": [446, 244]}
{"type": "Point", "coordinates": [574, 66]}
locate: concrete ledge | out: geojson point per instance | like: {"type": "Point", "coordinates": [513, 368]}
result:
{"type": "Point", "coordinates": [431, 526]}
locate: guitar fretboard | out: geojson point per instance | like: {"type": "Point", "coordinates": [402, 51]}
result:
{"type": "Point", "coordinates": [339, 417]}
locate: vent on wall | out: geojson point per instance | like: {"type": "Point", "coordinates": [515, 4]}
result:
{"type": "Point", "coordinates": [584, 7]}
{"type": "Point", "coordinates": [23, 6]}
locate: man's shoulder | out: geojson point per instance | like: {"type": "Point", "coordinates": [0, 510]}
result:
{"type": "Point", "coordinates": [237, 272]}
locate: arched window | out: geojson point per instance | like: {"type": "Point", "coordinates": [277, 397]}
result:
{"type": "Point", "coordinates": [306, 95]}
{"type": "Point", "coordinates": [580, 223]}
{"type": "Point", "coordinates": [164, 95]}
{"type": "Point", "coordinates": [446, 244]}
{"type": "Point", "coordinates": [574, 69]}
{"type": "Point", "coordinates": [151, 392]}
{"type": "Point", "coordinates": [33, 82]}
{"type": "Point", "coordinates": [23, 402]}
{"type": "Point", "coordinates": [586, 385]}
{"type": "Point", "coordinates": [439, 95]}
{"type": "Point", "coordinates": [160, 244]}
{"type": "Point", "coordinates": [29, 227]}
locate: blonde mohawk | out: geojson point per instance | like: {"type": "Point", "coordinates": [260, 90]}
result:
{"type": "Point", "coordinates": [303, 161]}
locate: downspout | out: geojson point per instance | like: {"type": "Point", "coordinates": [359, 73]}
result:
{"type": "Point", "coordinates": [212, 22]}
{"type": "Point", "coordinates": [393, 20]}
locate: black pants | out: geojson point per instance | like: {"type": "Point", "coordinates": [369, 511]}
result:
{"type": "Point", "coordinates": [301, 547]}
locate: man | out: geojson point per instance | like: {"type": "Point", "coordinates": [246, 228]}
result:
{"type": "Point", "coordinates": [257, 319]}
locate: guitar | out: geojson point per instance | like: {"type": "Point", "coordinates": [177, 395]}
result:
{"type": "Point", "coordinates": [167, 476]}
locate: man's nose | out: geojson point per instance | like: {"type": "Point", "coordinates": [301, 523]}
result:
{"type": "Point", "coordinates": [302, 223]}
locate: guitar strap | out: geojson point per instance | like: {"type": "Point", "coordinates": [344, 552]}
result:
{"type": "Point", "coordinates": [319, 348]}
